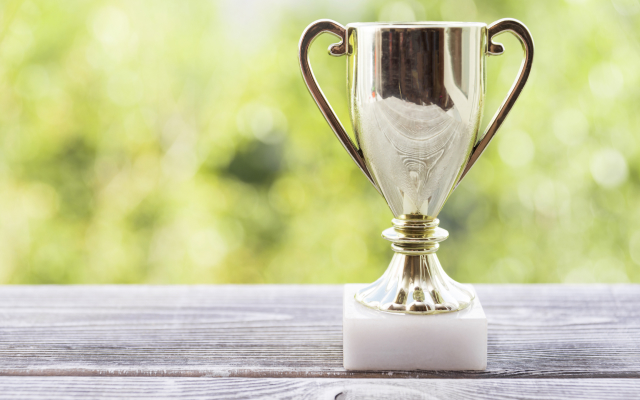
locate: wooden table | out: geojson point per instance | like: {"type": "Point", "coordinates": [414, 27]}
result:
{"type": "Point", "coordinates": [545, 341]}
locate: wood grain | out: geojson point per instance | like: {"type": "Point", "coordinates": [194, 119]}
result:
{"type": "Point", "coordinates": [55, 388]}
{"type": "Point", "coordinates": [535, 331]}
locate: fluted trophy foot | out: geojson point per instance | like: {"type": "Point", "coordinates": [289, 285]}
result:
{"type": "Point", "coordinates": [415, 282]}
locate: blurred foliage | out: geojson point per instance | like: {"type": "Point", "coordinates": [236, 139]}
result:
{"type": "Point", "coordinates": [175, 142]}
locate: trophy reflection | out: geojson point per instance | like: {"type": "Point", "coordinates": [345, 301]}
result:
{"type": "Point", "coordinates": [416, 92]}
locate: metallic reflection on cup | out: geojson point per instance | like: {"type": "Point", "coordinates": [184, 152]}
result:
{"type": "Point", "coordinates": [416, 92]}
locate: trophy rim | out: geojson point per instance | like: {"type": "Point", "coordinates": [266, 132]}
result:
{"type": "Point", "coordinates": [417, 24]}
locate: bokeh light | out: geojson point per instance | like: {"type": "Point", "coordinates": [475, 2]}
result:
{"type": "Point", "coordinates": [175, 142]}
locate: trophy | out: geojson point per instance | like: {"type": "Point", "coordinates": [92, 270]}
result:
{"type": "Point", "coordinates": [416, 92]}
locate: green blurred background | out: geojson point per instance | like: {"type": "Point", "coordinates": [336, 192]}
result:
{"type": "Point", "coordinates": [175, 142]}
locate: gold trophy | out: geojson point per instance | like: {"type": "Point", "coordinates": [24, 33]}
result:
{"type": "Point", "coordinates": [416, 92]}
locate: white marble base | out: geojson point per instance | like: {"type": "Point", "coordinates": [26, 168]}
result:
{"type": "Point", "coordinates": [376, 340]}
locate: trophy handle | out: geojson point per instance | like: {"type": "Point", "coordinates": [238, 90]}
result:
{"type": "Point", "coordinates": [494, 49]}
{"type": "Point", "coordinates": [308, 36]}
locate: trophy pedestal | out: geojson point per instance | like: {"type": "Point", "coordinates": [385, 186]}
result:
{"type": "Point", "coordinates": [376, 340]}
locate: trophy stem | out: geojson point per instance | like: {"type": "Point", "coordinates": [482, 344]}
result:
{"type": "Point", "coordinates": [415, 282]}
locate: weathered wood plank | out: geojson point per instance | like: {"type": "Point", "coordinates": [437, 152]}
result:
{"type": "Point", "coordinates": [315, 388]}
{"type": "Point", "coordinates": [535, 331]}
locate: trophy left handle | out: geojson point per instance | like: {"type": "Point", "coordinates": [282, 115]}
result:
{"type": "Point", "coordinates": [339, 49]}
{"type": "Point", "coordinates": [520, 31]}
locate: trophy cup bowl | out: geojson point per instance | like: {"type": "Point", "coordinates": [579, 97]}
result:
{"type": "Point", "coordinates": [416, 92]}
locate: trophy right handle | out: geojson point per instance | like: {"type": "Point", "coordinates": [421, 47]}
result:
{"type": "Point", "coordinates": [519, 30]}
{"type": "Point", "coordinates": [308, 36]}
